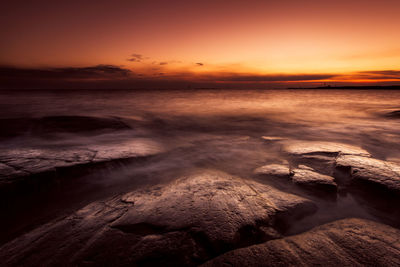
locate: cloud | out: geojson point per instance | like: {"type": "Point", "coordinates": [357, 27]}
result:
{"type": "Point", "coordinates": [111, 76]}
{"type": "Point", "coordinates": [199, 64]}
{"type": "Point", "coordinates": [163, 63]}
{"type": "Point", "coordinates": [387, 73]}
{"type": "Point", "coordinates": [274, 77]}
{"type": "Point", "coordinates": [92, 72]}
{"type": "Point", "coordinates": [373, 75]}
{"type": "Point", "coordinates": [136, 58]}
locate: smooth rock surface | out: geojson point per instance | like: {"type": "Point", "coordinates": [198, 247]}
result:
{"type": "Point", "coordinates": [187, 221]}
{"type": "Point", "coordinates": [375, 171]}
{"type": "Point", "coordinates": [348, 242]}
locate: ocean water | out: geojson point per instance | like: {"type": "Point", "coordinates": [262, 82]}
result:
{"type": "Point", "coordinates": [208, 129]}
{"type": "Point", "coordinates": [351, 116]}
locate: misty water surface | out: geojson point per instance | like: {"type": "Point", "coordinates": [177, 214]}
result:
{"type": "Point", "coordinates": [205, 129]}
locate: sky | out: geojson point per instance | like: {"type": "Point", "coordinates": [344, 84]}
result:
{"type": "Point", "coordinates": [206, 43]}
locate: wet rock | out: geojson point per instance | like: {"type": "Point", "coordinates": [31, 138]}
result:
{"type": "Point", "coordinates": [274, 170]}
{"type": "Point", "coordinates": [306, 177]}
{"type": "Point", "coordinates": [210, 200]}
{"type": "Point", "coordinates": [349, 242]}
{"type": "Point", "coordinates": [303, 176]}
{"type": "Point", "coordinates": [186, 222]}
{"type": "Point", "coordinates": [69, 235]}
{"type": "Point", "coordinates": [371, 171]}
{"type": "Point", "coordinates": [43, 160]}
{"type": "Point", "coordinates": [139, 147]}
{"type": "Point", "coordinates": [48, 159]}
{"type": "Point", "coordinates": [301, 148]}
{"type": "Point", "coordinates": [22, 169]}
{"type": "Point", "coordinates": [321, 156]}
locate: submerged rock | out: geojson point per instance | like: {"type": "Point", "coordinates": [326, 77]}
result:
{"type": "Point", "coordinates": [7, 171]}
{"type": "Point", "coordinates": [60, 124]}
{"type": "Point", "coordinates": [308, 178]}
{"type": "Point", "coordinates": [186, 222]}
{"type": "Point", "coordinates": [349, 242]}
{"type": "Point", "coordinates": [371, 171]}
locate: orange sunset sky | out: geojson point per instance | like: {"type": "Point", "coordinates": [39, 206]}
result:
{"type": "Point", "coordinates": [131, 43]}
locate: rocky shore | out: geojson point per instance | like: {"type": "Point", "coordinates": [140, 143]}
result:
{"type": "Point", "coordinates": [209, 216]}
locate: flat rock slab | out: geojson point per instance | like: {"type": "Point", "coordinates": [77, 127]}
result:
{"type": "Point", "coordinates": [302, 176]}
{"type": "Point", "coordinates": [310, 179]}
{"type": "Point", "coordinates": [349, 242]}
{"type": "Point", "coordinates": [375, 171]}
{"type": "Point", "coordinates": [187, 221]}
{"type": "Point", "coordinates": [298, 147]}
{"type": "Point", "coordinates": [321, 156]}
{"type": "Point", "coordinates": [25, 161]}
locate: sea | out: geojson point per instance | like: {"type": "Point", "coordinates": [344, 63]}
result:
{"type": "Point", "coordinates": [226, 130]}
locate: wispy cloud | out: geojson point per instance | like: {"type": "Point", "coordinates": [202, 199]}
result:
{"type": "Point", "coordinates": [273, 77]}
{"type": "Point", "coordinates": [136, 58]}
{"type": "Point", "coordinates": [383, 73]}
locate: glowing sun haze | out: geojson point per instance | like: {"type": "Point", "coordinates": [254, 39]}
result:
{"type": "Point", "coordinates": [223, 41]}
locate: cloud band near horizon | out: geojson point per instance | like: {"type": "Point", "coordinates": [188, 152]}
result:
{"type": "Point", "coordinates": [114, 76]}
